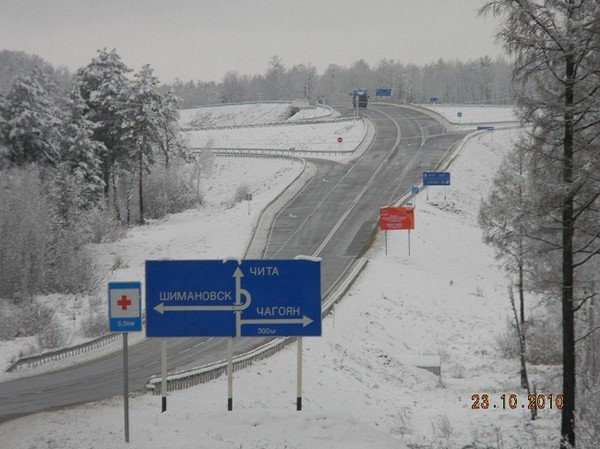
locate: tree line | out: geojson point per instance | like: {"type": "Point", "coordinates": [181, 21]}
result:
{"type": "Point", "coordinates": [481, 80]}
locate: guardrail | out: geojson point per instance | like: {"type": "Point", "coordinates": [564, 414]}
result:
{"type": "Point", "coordinates": [186, 379]}
{"type": "Point", "coordinates": [40, 359]}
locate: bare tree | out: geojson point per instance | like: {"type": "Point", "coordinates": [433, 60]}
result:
{"type": "Point", "coordinates": [555, 44]}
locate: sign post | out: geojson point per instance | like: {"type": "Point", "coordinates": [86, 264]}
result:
{"type": "Point", "coordinates": [125, 315]}
{"type": "Point", "coordinates": [395, 218]}
{"type": "Point", "coordinates": [436, 178]}
{"type": "Point", "coordinates": [230, 373]}
{"type": "Point", "coordinates": [163, 374]}
{"type": "Point", "coordinates": [299, 374]}
{"type": "Point", "coordinates": [249, 199]}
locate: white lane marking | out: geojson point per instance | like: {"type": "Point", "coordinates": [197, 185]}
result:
{"type": "Point", "coordinates": [367, 185]}
{"type": "Point", "coordinates": [293, 234]}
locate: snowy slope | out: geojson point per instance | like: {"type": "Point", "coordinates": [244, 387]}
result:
{"type": "Point", "coordinates": [235, 115]}
{"type": "Point", "coordinates": [312, 137]}
{"type": "Point", "coordinates": [313, 113]}
{"type": "Point", "coordinates": [475, 114]}
{"type": "Point", "coordinates": [446, 299]}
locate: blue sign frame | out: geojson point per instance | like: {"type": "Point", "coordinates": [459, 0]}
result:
{"type": "Point", "coordinates": [246, 298]}
{"type": "Point", "coordinates": [383, 92]}
{"type": "Point", "coordinates": [436, 178]}
{"type": "Point", "coordinates": [125, 316]}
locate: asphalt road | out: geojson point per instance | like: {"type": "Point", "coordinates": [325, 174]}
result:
{"type": "Point", "coordinates": [334, 217]}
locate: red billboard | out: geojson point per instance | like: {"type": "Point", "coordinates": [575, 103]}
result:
{"type": "Point", "coordinates": [391, 218]}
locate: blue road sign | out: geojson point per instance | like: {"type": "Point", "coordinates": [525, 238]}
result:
{"type": "Point", "coordinates": [415, 190]}
{"type": "Point", "coordinates": [216, 298]}
{"type": "Point", "coordinates": [124, 310]}
{"type": "Point", "coordinates": [459, 114]}
{"type": "Point", "coordinates": [433, 100]}
{"type": "Point", "coordinates": [383, 92]}
{"type": "Point", "coordinates": [436, 178]}
{"type": "Point", "coordinates": [485, 128]}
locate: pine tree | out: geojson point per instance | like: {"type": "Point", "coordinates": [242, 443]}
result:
{"type": "Point", "coordinates": [172, 141]}
{"type": "Point", "coordinates": [31, 121]}
{"type": "Point", "coordinates": [80, 152]}
{"type": "Point", "coordinates": [141, 119]}
{"type": "Point", "coordinates": [101, 84]}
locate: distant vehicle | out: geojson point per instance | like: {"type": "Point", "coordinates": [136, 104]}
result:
{"type": "Point", "coordinates": [360, 97]}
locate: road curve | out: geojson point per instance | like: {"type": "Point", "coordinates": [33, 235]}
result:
{"type": "Point", "coordinates": [334, 217]}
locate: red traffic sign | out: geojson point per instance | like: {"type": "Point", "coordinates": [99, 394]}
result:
{"type": "Point", "coordinates": [339, 139]}
{"type": "Point", "coordinates": [391, 218]}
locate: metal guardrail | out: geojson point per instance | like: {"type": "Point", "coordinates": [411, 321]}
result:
{"type": "Point", "coordinates": [186, 379]}
{"type": "Point", "coordinates": [40, 359]}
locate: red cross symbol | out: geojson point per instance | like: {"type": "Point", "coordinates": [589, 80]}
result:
{"type": "Point", "coordinates": [124, 302]}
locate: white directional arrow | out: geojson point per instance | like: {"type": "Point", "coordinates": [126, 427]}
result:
{"type": "Point", "coordinates": [161, 308]}
{"type": "Point", "coordinates": [305, 321]}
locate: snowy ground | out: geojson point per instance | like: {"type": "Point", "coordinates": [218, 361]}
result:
{"type": "Point", "coordinates": [446, 299]}
{"type": "Point", "coordinates": [311, 137]}
{"type": "Point", "coordinates": [475, 114]}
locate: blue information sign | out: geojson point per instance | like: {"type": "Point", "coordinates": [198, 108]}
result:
{"type": "Point", "coordinates": [415, 190]}
{"type": "Point", "coordinates": [381, 92]}
{"type": "Point", "coordinates": [433, 100]}
{"type": "Point", "coordinates": [436, 178]}
{"type": "Point", "coordinates": [124, 310]}
{"type": "Point", "coordinates": [249, 298]}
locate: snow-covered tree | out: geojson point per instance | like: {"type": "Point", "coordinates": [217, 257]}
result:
{"type": "Point", "coordinates": [31, 121]}
{"type": "Point", "coordinates": [79, 151]}
{"type": "Point", "coordinates": [141, 119]}
{"type": "Point", "coordinates": [556, 45]}
{"type": "Point", "coordinates": [101, 84]}
{"type": "Point", "coordinates": [172, 141]}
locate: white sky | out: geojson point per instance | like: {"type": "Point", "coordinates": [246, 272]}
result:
{"type": "Point", "coordinates": [203, 39]}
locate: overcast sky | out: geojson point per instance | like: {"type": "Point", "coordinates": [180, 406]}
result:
{"type": "Point", "coordinates": [203, 39]}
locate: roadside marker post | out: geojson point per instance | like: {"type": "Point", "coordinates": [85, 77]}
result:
{"type": "Point", "coordinates": [229, 373]}
{"type": "Point", "coordinates": [125, 315]}
{"type": "Point", "coordinates": [163, 374]}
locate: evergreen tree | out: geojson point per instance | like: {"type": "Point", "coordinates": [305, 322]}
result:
{"type": "Point", "coordinates": [101, 84]}
{"type": "Point", "coordinates": [141, 120]}
{"type": "Point", "coordinates": [80, 152]}
{"type": "Point", "coordinates": [31, 121]}
{"type": "Point", "coordinates": [172, 141]}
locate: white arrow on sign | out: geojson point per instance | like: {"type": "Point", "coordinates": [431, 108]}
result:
{"type": "Point", "coordinates": [161, 308]}
{"type": "Point", "coordinates": [305, 321]}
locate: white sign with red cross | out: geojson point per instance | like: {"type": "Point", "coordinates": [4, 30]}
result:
{"type": "Point", "coordinates": [124, 308]}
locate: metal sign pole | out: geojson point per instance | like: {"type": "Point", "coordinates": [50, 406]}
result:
{"type": "Point", "coordinates": [229, 373]}
{"type": "Point", "coordinates": [163, 374]}
{"type": "Point", "coordinates": [299, 375]}
{"type": "Point", "coordinates": [126, 386]}
{"type": "Point", "coordinates": [409, 242]}
{"type": "Point", "coordinates": [386, 242]}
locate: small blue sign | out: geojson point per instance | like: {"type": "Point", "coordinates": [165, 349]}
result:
{"type": "Point", "coordinates": [124, 308]}
{"type": "Point", "coordinates": [433, 100]}
{"type": "Point", "coordinates": [436, 178]}
{"type": "Point", "coordinates": [415, 190]}
{"type": "Point", "coordinates": [247, 298]}
{"type": "Point", "coordinates": [485, 128]}
{"type": "Point", "coordinates": [459, 114]}
{"type": "Point", "coordinates": [383, 92]}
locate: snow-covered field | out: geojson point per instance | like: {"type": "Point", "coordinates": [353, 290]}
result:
{"type": "Point", "coordinates": [302, 137]}
{"type": "Point", "coordinates": [447, 299]}
{"type": "Point", "coordinates": [235, 115]}
{"type": "Point", "coordinates": [475, 114]}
